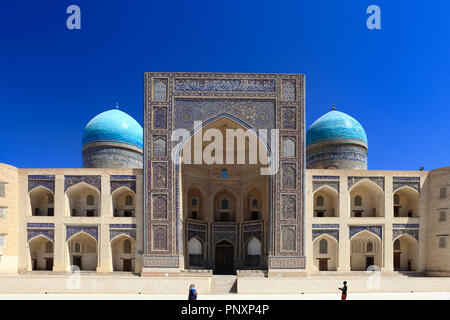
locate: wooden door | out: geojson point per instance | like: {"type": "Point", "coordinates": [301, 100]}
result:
{"type": "Point", "coordinates": [49, 264]}
{"type": "Point", "coordinates": [323, 264]}
{"type": "Point", "coordinates": [224, 258]}
{"type": "Point", "coordinates": [127, 265]}
{"type": "Point", "coordinates": [397, 260]}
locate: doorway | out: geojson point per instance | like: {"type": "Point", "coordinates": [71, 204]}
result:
{"type": "Point", "coordinates": [224, 258]}
{"type": "Point", "coordinates": [49, 264]}
{"type": "Point", "coordinates": [127, 265]}
{"type": "Point", "coordinates": [397, 260]}
{"type": "Point", "coordinates": [77, 261]}
{"type": "Point", "coordinates": [369, 262]}
{"type": "Point", "coordinates": [323, 264]}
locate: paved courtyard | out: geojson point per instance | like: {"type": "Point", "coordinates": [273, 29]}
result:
{"type": "Point", "coordinates": [355, 296]}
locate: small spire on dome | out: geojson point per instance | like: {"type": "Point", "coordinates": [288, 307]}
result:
{"type": "Point", "coordinates": [117, 105]}
{"type": "Point", "coordinates": [334, 107]}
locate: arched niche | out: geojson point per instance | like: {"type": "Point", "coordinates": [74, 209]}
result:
{"type": "Point", "coordinates": [326, 202]}
{"type": "Point", "coordinates": [123, 202]}
{"type": "Point", "coordinates": [406, 202]}
{"type": "Point", "coordinates": [42, 202]}
{"type": "Point", "coordinates": [366, 200]}
{"type": "Point", "coordinates": [79, 201]}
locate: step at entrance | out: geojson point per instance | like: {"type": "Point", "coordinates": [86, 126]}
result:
{"type": "Point", "coordinates": [223, 284]}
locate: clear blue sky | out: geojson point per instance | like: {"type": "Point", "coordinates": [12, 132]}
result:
{"type": "Point", "coordinates": [395, 81]}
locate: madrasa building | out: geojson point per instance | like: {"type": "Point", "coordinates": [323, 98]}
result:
{"type": "Point", "coordinates": [134, 207]}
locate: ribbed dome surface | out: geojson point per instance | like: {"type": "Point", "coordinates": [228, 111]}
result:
{"type": "Point", "coordinates": [335, 125]}
{"type": "Point", "coordinates": [115, 126]}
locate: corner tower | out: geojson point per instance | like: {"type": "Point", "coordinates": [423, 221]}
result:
{"type": "Point", "coordinates": [113, 139]}
{"type": "Point", "coordinates": [336, 141]}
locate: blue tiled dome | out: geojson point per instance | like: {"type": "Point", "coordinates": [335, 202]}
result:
{"type": "Point", "coordinates": [335, 125]}
{"type": "Point", "coordinates": [115, 126]}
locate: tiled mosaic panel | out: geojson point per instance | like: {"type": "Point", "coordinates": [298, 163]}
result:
{"type": "Point", "coordinates": [331, 232]}
{"type": "Point", "coordinates": [33, 233]}
{"type": "Point", "coordinates": [159, 118]}
{"type": "Point", "coordinates": [72, 230]}
{"type": "Point", "coordinates": [412, 232]}
{"type": "Point", "coordinates": [159, 206]}
{"type": "Point", "coordinates": [287, 262]}
{"type": "Point", "coordinates": [289, 118]}
{"type": "Point", "coordinates": [331, 184]}
{"type": "Point", "coordinates": [288, 207]}
{"type": "Point", "coordinates": [378, 230]}
{"type": "Point", "coordinates": [150, 261]}
{"type": "Point", "coordinates": [159, 177]}
{"type": "Point", "coordinates": [288, 87]}
{"type": "Point", "coordinates": [256, 113]}
{"type": "Point", "coordinates": [47, 181]}
{"type": "Point", "coordinates": [94, 181]}
{"type": "Point", "coordinates": [224, 85]}
{"type": "Point", "coordinates": [116, 233]}
{"type": "Point", "coordinates": [377, 180]}
{"type": "Point", "coordinates": [159, 146]}
{"type": "Point", "coordinates": [159, 237]}
{"type": "Point", "coordinates": [288, 238]}
{"type": "Point", "coordinates": [289, 176]}
{"type": "Point", "coordinates": [288, 147]}
{"type": "Point", "coordinates": [160, 90]}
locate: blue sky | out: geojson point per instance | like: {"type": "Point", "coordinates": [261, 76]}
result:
{"type": "Point", "coordinates": [395, 81]}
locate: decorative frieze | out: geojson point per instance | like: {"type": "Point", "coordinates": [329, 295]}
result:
{"type": "Point", "coordinates": [331, 184]}
{"type": "Point", "coordinates": [33, 233]}
{"type": "Point", "coordinates": [95, 181]}
{"type": "Point", "coordinates": [331, 232]}
{"type": "Point", "coordinates": [47, 181]}
{"type": "Point", "coordinates": [118, 181]}
{"type": "Point", "coordinates": [91, 230]}
{"type": "Point", "coordinates": [377, 180]}
{"type": "Point", "coordinates": [353, 230]}
{"type": "Point", "coordinates": [247, 85]}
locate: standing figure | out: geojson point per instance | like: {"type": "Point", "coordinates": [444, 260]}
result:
{"type": "Point", "coordinates": [192, 292]}
{"type": "Point", "coordinates": [344, 291]}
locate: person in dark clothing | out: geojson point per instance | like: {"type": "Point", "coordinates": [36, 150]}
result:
{"type": "Point", "coordinates": [192, 292]}
{"type": "Point", "coordinates": [344, 291]}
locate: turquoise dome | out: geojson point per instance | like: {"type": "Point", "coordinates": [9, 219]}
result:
{"type": "Point", "coordinates": [335, 125]}
{"type": "Point", "coordinates": [114, 126]}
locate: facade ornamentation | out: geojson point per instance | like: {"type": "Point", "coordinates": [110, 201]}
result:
{"type": "Point", "coordinates": [94, 181]}
{"type": "Point", "coordinates": [47, 181]}
{"type": "Point", "coordinates": [377, 180]}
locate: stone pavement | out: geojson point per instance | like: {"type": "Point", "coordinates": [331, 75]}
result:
{"type": "Point", "coordinates": [355, 296]}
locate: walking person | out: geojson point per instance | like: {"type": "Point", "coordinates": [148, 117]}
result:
{"type": "Point", "coordinates": [192, 292]}
{"type": "Point", "coordinates": [344, 291]}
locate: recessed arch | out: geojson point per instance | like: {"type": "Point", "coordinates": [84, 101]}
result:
{"type": "Point", "coordinates": [86, 258]}
{"type": "Point", "coordinates": [76, 204]}
{"type": "Point", "coordinates": [120, 207]}
{"type": "Point", "coordinates": [366, 251]}
{"type": "Point", "coordinates": [406, 253]}
{"type": "Point", "coordinates": [328, 261]}
{"type": "Point", "coordinates": [372, 199]}
{"type": "Point", "coordinates": [40, 250]}
{"type": "Point", "coordinates": [123, 257]}
{"type": "Point", "coordinates": [330, 205]}
{"type": "Point", "coordinates": [39, 201]}
{"type": "Point", "coordinates": [408, 202]}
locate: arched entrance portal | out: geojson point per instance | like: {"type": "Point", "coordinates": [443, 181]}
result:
{"type": "Point", "coordinates": [224, 258]}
